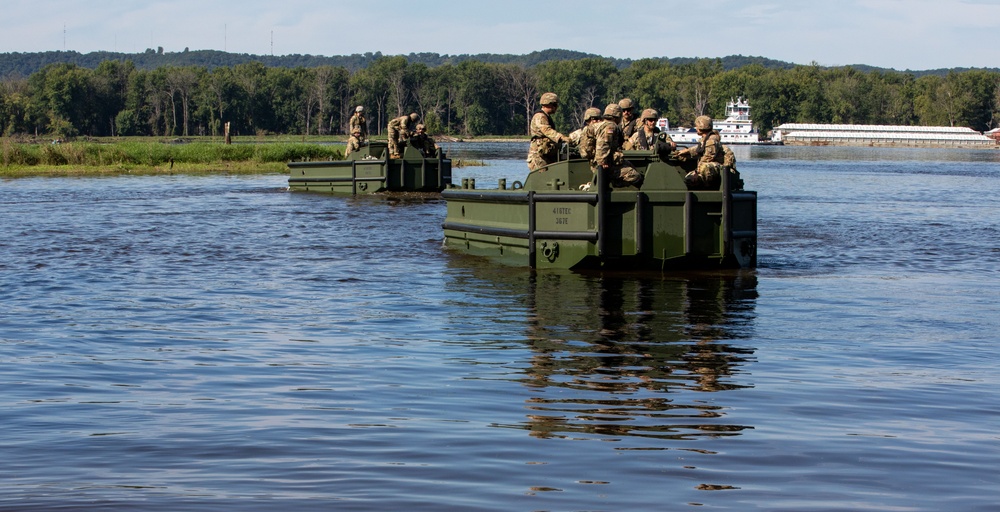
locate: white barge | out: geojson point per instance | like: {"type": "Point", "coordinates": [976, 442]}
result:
{"type": "Point", "coordinates": [807, 134]}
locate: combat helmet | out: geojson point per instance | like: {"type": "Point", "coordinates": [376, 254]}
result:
{"type": "Point", "coordinates": [414, 117]}
{"type": "Point", "coordinates": [703, 123]}
{"type": "Point", "coordinates": [359, 109]}
{"type": "Point", "coordinates": [549, 98]}
{"type": "Point", "coordinates": [626, 103]}
{"type": "Point", "coordinates": [591, 113]}
{"type": "Point", "coordinates": [613, 110]}
{"type": "Point", "coordinates": [650, 113]}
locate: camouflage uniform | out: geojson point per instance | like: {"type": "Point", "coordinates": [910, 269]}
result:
{"type": "Point", "coordinates": [359, 122]}
{"type": "Point", "coordinates": [608, 155]}
{"type": "Point", "coordinates": [628, 126]}
{"type": "Point", "coordinates": [544, 148]}
{"type": "Point", "coordinates": [729, 162]}
{"type": "Point", "coordinates": [710, 162]}
{"type": "Point", "coordinates": [399, 131]}
{"type": "Point", "coordinates": [641, 140]}
{"type": "Point", "coordinates": [353, 144]}
{"type": "Point", "coordinates": [588, 141]}
{"type": "Point", "coordinates": [584, 137]}
{"type": "Point", "coordinates": [423, 142]}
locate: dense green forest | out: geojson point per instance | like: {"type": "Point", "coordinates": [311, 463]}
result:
{"type": "Point", "coordinates": [194, 93]}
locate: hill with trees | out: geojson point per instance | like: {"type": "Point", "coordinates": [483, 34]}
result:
{"type": "Point", "coordinates": [24, 64]}
{"type": "Point", "coordinates": [67, 94]}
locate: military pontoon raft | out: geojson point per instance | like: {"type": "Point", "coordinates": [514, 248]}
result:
{"type": "Point", "coordinates": [370, 170]}
{"type": "Point", "coordinates": [549, 222]}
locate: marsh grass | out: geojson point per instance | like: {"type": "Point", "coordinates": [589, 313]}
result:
{"type": "Point", "coordinates": [19, 159]}
{"type": "Point", "coordinates": [461, 162]}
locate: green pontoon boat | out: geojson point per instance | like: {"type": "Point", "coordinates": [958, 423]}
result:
{"type": "Point", "coordinates": [370, 170]}
{"type": "Point", "coordinates": [550, 221]}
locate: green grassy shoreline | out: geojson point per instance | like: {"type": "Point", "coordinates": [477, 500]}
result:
{"type": "Point", "coordinates": [154, 156]}
{"type": "Point", "coordinates": [133, 156]}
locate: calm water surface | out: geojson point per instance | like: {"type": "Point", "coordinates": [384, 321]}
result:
{"type": "Point", "coordinates": [219, 343]}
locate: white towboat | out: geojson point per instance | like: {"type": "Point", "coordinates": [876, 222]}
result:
{"type": "Point", "coordinates": [736, 128]}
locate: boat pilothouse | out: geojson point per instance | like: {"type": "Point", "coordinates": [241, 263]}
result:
{"type": "Point", "coordinates": [736, 128]}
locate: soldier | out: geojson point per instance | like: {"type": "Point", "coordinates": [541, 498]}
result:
{"type": "Point", "coordinates": [424, 143]}
{"type": "Point", "coordinates": [607, 150]}
{"type": "Point", "coordinates": [358, 121]}
{"type": "Point", "coordinates": [399, 132]}
{"type": "Point", "coordinates": [729, 162]}
{"type": "Point", "coordinates": [629, 123]}
{"type": "Point", "coordinates": [584, 136]}
{"type": "Point", "coordinates": [644, 138]}
{"type": "Point", "coordinates": [545, 140]}
{"type": "Point", "coordinates": [710, 156]}
{"type": "Point", "coordinates": [354, 142]}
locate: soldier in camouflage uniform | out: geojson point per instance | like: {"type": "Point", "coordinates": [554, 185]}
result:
{"type": "Point", "coordinates": [628, 123]}
{"type": "Point", "coordinates": [607, 150]}
{"type": "Point", "coordinates": [423, 142]}
{"type": "Point", "coordinates": [354, 142]}
{"type": "Point", "coordinates": [710, 156]}
{"type": "Point", "coordinates": [399, 131]}
{"type": "Point", "coordinates": [358, 121]}
{"type": "Point", "coordinates": [729, 162]}
{"type": "Point", "coordinates": [545, 140]}
{"type": "Point", "coordinates": [644, 138]}
{"type": "Point", "coordinates": [584, 136]}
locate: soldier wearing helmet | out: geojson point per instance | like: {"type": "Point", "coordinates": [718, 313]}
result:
{"type": "Point", "coordinates": [358, 121]}
{"type": "Point", "coordinates": [423, 142]}
{"type": "Point", "coordinates": [607, 155]}
{"type": "Point", "coordinates": [399, 130]}
{"type": "Point", "coordinates": [545, 140]}
{"type": "Point", "coordinates": [354, 142]}
{"type": "Point", "coordinates": [584, 136]}
{"type": "Point", "coordinates": [644, 137]}
{"type": "Point", "coordinates": [710, 156]}
{"type": "Point", "coordinates": [628, 123]}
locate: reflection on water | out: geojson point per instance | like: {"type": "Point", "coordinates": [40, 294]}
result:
{"type": "Point", "coordinates": [487, 151]}
{"type": "Point", "coordinates": [624, 355]}
{"type": "Point", "coordinates": [216, 342]}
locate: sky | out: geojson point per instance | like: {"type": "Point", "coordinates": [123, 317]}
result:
{"type": "Point", "coordinates": [898, 34]}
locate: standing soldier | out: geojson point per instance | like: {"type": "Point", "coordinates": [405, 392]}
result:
{"type": "Point", "coordinates": [358, 121]}
{"type": "Point", "coordinates": [629, 123]}
{"type": "Point", "coordinates": [584, 136]}
{"type": "Point", "coordinates": [710, 156]}
{"type": "Point", "coordinates": [545, 140]}
{"type": "Point", "coordinates": [399, 131]}
{"type": "Point", "coordinates": [354, 142]}
{"type": "Point", "coordinates": [607, 151]}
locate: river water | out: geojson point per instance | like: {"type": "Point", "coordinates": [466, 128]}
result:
{"type": "Point", "coordinates": [219, 343]}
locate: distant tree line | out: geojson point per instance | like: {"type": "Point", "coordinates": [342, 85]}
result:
{"type": "Point", "coordinates": [24, 64]}
{"type": "Point", "coordinates": [471, 97]}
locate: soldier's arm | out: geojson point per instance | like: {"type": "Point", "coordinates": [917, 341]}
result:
{"type": "Point", "coordinates": [602, 153]}
{"type": "Point", "coordinates": [543, 127]}
{"type": "Point", "coordinates": [631, 142]}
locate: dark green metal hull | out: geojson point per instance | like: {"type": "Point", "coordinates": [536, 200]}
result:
{"type": "Point", "coordinates": [371, 171]}
{"type": "Point", "coordinates": [551, 223]}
